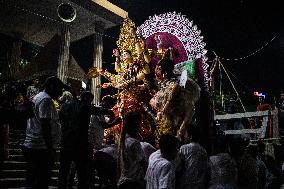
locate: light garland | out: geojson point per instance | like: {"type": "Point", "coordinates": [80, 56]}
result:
{"type": "Point", "coordinates": [251, 54]}
{"type": "Point", "coordinates": [48, 18]}
{"type": "Point", "coordinates": [104, 35]}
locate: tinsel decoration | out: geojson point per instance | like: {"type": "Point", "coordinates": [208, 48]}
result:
{"type": "Point", "coordinates": [164, 127]}
{"type": "Point", "coordinates": [93, 73]}
{"type": "Point", "coordinates": [127, 36]}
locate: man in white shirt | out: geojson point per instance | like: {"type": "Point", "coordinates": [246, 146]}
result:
{"type": "Point", "coordinates": [148, 149]}
{"type": "Point", "coordinates": [131, 155]}
{"type": "Point", "coordinates": [194, 174]}
{"type": "Point", "coordinates": [43, 135]}
{"type": "Point", "coordinates": [160, 173]}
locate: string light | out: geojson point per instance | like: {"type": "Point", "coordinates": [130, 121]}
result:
{"type": "Point", "coordinates": [31, 12]}
{"type": "Point", "coordinates": [49, 18]}
{"type": "Point", "coordinates": [104, 35]}
{"type": "Point", "coordinates": [251, 54]}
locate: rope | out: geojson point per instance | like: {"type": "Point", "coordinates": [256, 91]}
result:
{"type": "Point", "coordinates": [238, 96]}
{"type": "Point", "coordinates": [241, 82]}
{"type": "Point", "coordinates": [233, 86]}
{"type": "Point", "coordinates": [212, 69]}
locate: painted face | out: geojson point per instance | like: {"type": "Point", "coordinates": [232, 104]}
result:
{"type": "Point", "coordinates": [158, 72]}
{"type": "Point", "coordinates": [126, 57]}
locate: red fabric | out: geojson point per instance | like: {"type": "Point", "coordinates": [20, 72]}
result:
{"type": "Point", "coordinates": [130, 105]}
{"type": "Point", "coordinates": [263, 107]}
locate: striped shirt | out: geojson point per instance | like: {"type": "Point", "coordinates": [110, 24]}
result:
{"type": "Point", "coordinates": [160, 172]}
{"type": "Point", "coordinates": [223, 169]}
{"type": "Point", "coordinates": [194, 172]}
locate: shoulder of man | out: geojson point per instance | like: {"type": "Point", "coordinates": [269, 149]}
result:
{"type": "Point", "coordinates": [42, 97]}
{"type": "Point", "coordinates": [72, 105]}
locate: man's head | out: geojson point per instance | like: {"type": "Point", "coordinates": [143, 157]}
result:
{"type": "Point", "coordinates": [86, 97]}
{"type": "Point", "coordinates": [36, 82]}
{"type": "Point", "coordinates": [168, 146]}
{"type": "Point", "coordinates": [195, 133]}
{"type": "Point", "coordinates": [261, 99]}
{"type": "Point", "coordinates": [131, 123]}
{"type": "Point", "coordinates": [53, 86]}
{"type": "Point", "coordinates": [108, 102]}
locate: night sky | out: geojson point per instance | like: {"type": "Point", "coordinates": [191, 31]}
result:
{"type": "Point", "coordinates": [231, 28]}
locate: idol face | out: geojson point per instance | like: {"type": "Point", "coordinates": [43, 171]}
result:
{"type": "Point", "coordinates": [158, 72]}
{"type": "Point", "coordinates": [126, 57]}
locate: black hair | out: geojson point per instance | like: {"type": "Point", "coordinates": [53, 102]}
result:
{"type": "Point", "coordinates": [53, 81]}
{"type": "Point", "coordinates": [238, 146]}
{"type": "Point", "coordinates": [168, 143]}
{"type": "Point", "coordinates": [128, 51]}
{"type": "Point", "coordinates": [167, 67]}
{"type": "Point", "coordinates": [131, 121]}
{"type": "Point", "coordinates": [194, 132]}
{"type": "Point", "coordinates": [86, 94]}
{"type": "Point", "coordinates": [109, 101]}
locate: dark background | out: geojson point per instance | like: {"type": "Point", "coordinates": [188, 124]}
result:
{"type": "Point", "coordinates": [231, 28]}
{"type": "Point", "coordinates": [234, 29]}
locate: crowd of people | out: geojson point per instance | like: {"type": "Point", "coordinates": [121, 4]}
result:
{"type": "Point", "coordinates": [164, 163]}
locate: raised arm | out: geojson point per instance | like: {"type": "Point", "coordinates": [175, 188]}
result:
{"type": "Point", "coordinates": [117, 60]}
{"type": "Point", "coordinates": [95, 110]}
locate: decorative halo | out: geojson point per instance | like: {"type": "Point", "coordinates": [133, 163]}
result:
{"type": "Point", "coordinates": [171, 25]}
{"type": "Point", "coordinates": [179, 33]}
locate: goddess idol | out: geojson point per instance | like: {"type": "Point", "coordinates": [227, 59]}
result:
{"type": "Point", "coordinates": [133, 78]}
